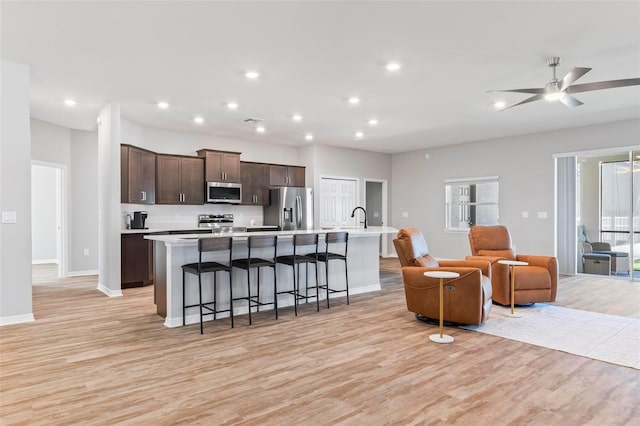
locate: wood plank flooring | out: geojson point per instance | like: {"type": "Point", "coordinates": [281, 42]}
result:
{"type": "Point", "coordinates": [89, 359]}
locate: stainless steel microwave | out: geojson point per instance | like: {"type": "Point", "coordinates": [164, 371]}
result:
{"type": "Point", "coordinates": [224, 192]}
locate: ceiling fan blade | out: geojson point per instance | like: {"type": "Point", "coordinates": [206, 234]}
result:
{"type": "Point", "coordinates": [526, 101]}
{"type": "Point", "coordinates": [539, 91]}
{"type": "Point", "coordinates": [572, 76]}
{"type": "Point", "coordinates": [570, 101]}
{"type": "Point", "coordinates": [599, 85]}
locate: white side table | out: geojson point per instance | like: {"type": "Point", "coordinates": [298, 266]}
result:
{"type": "Point", "coordinates": [512, 265]}
{"type": "Point", "coordinates": [441, 338]}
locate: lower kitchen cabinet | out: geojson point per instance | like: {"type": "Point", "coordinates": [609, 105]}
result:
{"type": "Point", "coordinates": [136, 261]}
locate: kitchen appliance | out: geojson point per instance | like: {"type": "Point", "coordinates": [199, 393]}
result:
{"type": "Point", "coordinates": [290, 208]}
{"type": "Point", "coordinates": [139, 219]}
{"type": "Point", "coordinates": [218, 223]}
{"type": "Point", "coordinates": [224, 192]}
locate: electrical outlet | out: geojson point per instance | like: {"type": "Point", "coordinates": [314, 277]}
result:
{"type": "Point", "coordinates": [405, 214]}
{"type": "Point", "coordinates": [525, 215]}
{"type": "Point", "coordinates": [542, 215]}
{"type": "Point", "coordinates": [86, 252]}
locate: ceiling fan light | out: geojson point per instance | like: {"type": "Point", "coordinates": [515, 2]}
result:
{"type": "Point", "coordinates": [554, 96]}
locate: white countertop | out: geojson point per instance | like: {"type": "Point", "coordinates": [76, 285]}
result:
{"type": "Point", "coordinates": [191, 238]}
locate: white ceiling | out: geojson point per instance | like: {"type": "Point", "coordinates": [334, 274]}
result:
{"type": "Point", "coordinates": [313, 55]}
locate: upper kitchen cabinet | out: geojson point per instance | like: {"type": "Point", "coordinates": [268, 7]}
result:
{"type": "Point", "coordinates": [221, 166]}
{"type": "Point", "coordinates": [286, 176]}
{"type": "Point", "coordinates": [255, 183]}
{"type": "Point", "coordinates": [179, 179]}
{"type": "Point", "coordinates": [137, 175]}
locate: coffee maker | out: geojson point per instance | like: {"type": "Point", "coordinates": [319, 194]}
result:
{"type": "Point", "coordinates": [139, 219]}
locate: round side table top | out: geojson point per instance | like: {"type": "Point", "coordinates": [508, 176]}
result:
{"type": "Point", "coordinates": [513, 262]}
{"type": "Point", "coordinates": [441, 274]}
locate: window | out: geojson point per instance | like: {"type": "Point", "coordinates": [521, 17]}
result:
{"type": "Point", "coordinates": [471, 201]}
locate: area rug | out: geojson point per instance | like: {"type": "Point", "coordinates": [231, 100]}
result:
{"type": "Point", "coordinates": [603, 337]}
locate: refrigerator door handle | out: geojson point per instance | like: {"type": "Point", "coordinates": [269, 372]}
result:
{"type": "Point", "coordinates": [298, 212]}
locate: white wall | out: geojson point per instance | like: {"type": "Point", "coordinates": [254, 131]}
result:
{"type": "Point", "coordinates": [44, 214]}
{"type": "Point", "coordinates": [330, 161]}
{"type": "Point", "coordinates": [525, 166]}
{"type": "Point", "coordinates": [83, 203]}
{"type": "Point", "coordinates": [15, 194]}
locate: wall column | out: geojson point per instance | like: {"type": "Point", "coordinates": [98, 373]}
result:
{"type": "Point", "coordinates": [109, 200]}
{"type": "Point", "coordinates": [15, 195]}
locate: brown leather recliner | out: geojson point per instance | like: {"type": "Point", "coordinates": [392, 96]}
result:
{"type": "Point", "coordinates": [467, 299]}
{"type": "Point", "coordinates": [537, 282]}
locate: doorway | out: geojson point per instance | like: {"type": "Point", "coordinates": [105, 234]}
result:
{"type": "Point", "coordinates": [598, 213]}
{"type": "Point", "coordinates": [48, 220]}
{"type": "Point", "coordinates": [375, 191]}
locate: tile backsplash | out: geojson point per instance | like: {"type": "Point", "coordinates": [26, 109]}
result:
{"type": "Point", "coordinates": [166, 216]}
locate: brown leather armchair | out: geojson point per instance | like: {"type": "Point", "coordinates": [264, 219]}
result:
{"type": "Point", "coordinates": [537, 282]}
{"type": "Point", "coordinates": [467, 299]}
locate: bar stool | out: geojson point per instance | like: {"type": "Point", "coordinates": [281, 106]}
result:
{"type": "Point", "coordinates": [258, 242]}
{"type": "Point", "coordinates": [206, 245]}
{"type": "Point", "coordinates": [294, 260]}
{"type": "Point", "coordinates": [333, 238]}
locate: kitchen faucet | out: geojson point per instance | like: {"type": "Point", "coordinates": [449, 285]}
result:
{"type": "Point", "coordinates": [353, 214]}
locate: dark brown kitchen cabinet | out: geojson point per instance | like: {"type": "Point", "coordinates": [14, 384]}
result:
{"type": "Point", "coordinates": [221, 166]}
{"type": "Point", "coordinates": [136, 261]}
{"type": "Point", "coordinates": [179, 179]}
{"type": "Point", "coordinates": [137, 175]}
{"type": "Point", "coordinates": [255, 183]}
{"type": "Point", "coordinates": [286, 175]}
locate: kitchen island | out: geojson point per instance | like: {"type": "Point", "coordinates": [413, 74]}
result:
{"type": "Point", "coordinates": [173, 251]}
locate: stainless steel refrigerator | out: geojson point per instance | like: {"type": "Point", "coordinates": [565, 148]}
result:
{"type": "Point", "coordinates": [290, 208]}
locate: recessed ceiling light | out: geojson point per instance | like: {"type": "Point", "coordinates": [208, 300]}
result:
{"type": "Point", "coordinates": [260, 129]}
{"type": "Point", "coordinates": [198, 120]}
{"type": "Point", "coordinates": [296, 117]}
{"type": "Point", "coordinates": [354, 100]}
{"type": "Point", "coordinates": [393, 66]}
{"type": "Point", "coordinates": [308, 137]}
{"type": "Point", "coordinates": [163, 105]}
{"type": "Point", "coordinates": [499, 105]}
{"type": "Point", "coordinates": [232, 105]}
{"type": "Point", "coordinates": [252, 75]}
{"type": "Point", "coordinates": [373, 122]}
{"type": "Point", "coordinates": [69, 102]}
{"type": "Point", "coordinates": [359, 135]}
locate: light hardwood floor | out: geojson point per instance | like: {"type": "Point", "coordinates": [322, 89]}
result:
{"type": "Point", "coordinates": [89, 359]}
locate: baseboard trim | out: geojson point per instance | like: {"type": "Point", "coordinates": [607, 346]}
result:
{"type": "Point", "coordinates": [83, 273]}
{"type": "Point", "coordinates": [172, 322]}
{"type": "Point", "coordinates": [16, 319]}
{"type": "Point", "coordinates": [44, 261]}
{"type": "Point", "coordinates": [108, 291]}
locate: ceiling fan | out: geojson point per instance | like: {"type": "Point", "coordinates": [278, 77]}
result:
{"type": "Point", "coordinates": [561, 90]}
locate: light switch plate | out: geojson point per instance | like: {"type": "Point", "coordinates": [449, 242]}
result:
{"type": "Point", "coordinates": [9, 217]}
{"type": "Point", "coordinates": [525, 215]}
{"type": "Point", "coordinates": [542, 215]}
{"type": "Point", "coordinates": [405, 214]}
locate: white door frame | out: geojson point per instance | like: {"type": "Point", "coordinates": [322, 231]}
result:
{"type": "Point", "coordinates": [63, 240]}
{"type": "Point", "coordinates": [384, 238]}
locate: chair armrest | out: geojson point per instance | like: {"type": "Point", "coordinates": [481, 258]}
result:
{"type": "Point", "coordinates": [548, 262]}
{"type": "Point", "coordinates": [483, 264]}
{"type": "Point", "coordinates": [601, 246]}
{"type": "Point", "coordinates": [491, 259]}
